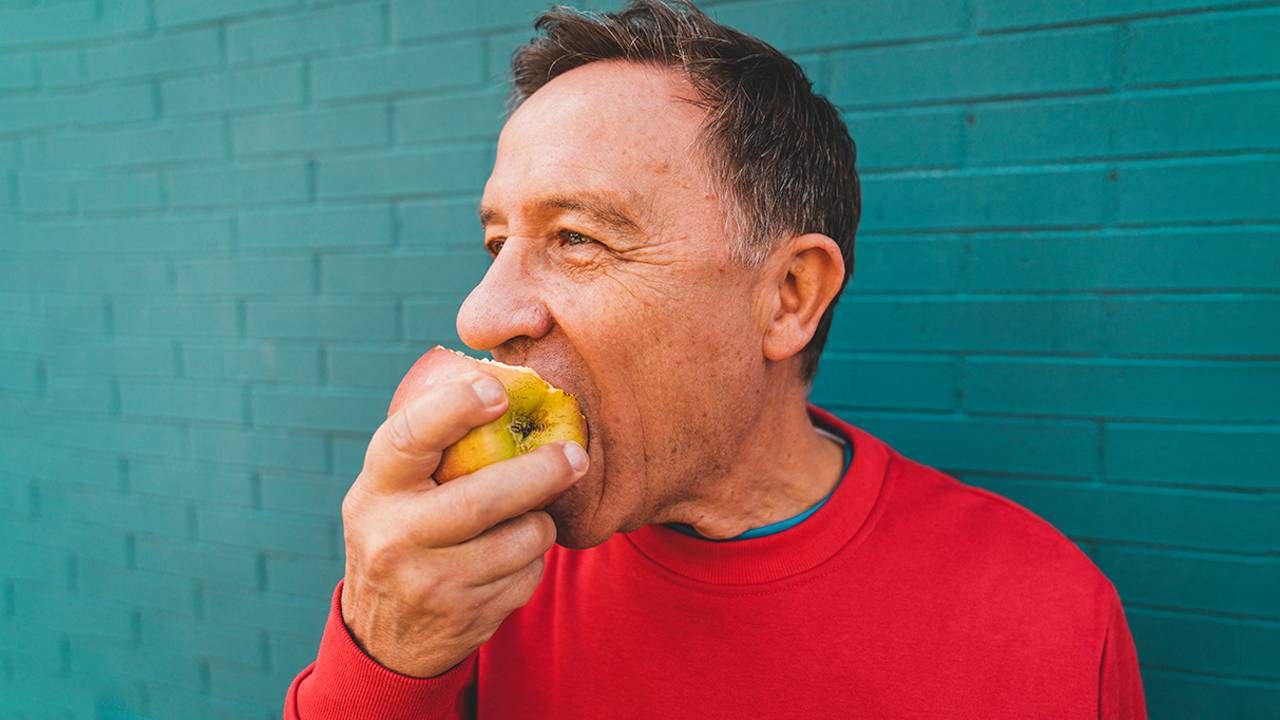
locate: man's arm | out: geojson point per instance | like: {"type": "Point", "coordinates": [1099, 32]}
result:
{"type": "Point", "coordinates": [1120, 695]}
{"type": "Point", "coordinates": [344, 683]}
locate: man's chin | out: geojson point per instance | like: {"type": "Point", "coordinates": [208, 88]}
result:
{"type": "Point", "coordinates": [578, 525]}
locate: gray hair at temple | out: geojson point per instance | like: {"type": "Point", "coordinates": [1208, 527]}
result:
{"type": "Point", "coordinates": [779, 153]}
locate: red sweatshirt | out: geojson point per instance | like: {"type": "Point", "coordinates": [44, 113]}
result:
{"type": "Point", "coordinates": [907, 595]}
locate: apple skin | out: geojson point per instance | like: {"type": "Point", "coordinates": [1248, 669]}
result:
{"type": "Point", "coordinates": [537, 413]}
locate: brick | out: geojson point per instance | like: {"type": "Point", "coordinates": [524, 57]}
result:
{"type": "Point", "coordinates": [1220, 391]}
{"type": "Point", "coordinates": [98, 107]}
{"type": "Point", "coordinates": [302, 493]}
{"type": "Point", "coordinates": [121, 192]}
{"type": "Point", "coordinates": [416, 20]}
{"type": "Point", "coordinates": [499, 49]}
{"type": "Point", "coordinates": [116, 356]}
{"type": "Point", "coordinates": [182, 400]}
{"type": "Point", "coordinates": [346, 128]}
{"type": "Point", "coordinates": [259, 446]}
{"type": "Point", "coordinates": [72, 22]}
{"type": "Point", "coordinates": [1257, 649]}
{"type": "Point", "coordinates": [1178, 696]}
{"type": "Point", "coordinates": [216, 318]}
{"type": "Point", "coordinates": [157, 56]}
{"type": "Point", "coordinates": [1185, 642]}
{"type": "Point", "coordinates": [1086, 128]}
{"type": "Point", "coordinates": [86, 541]}
{"type": "Point", "coordinates": [320, 30]}
{"type": "Point", "coordinates": [44, 193]}
{"type": "Point", "coordinates": [953, 324]}
{"type": "Point", "coordinates": [324, 319]}
{"type": "Point", "coordinates": [456, 116]}
{"type": "Point", "coordinates": [263, 529]}
{"type": "Point", "coordinates": [144, 235]}
{"type": "Point", "coordinates": [431, 321]}
{"type": "Point", "coordinates": [907, 264]}
{"type": "Point", "coordinates": [250, 89]}
{"type": "Point", "coordinates": [954, 444]}
{"type": "Point", "coordinates": [78, 395]}
{"type": "Point", "coordinates": [1211, 456]}
{"type": "Point", "coordinates": [161, 145]}
{"type": "Point", "coordinates": [1206, 47]}
{"type": "Point", "coordinates": [1162, 192]}
{"type": "Point", "coordinates": [450, 223]}
{"type": "Point", "coordinates": [240, 185]}
{"type": "Point", "coordinates": [1134, 260]}
{"type": "Point", "coordinates": [450, 275]}
{"type": "Point", "coordinates": [319, 408]}
{"type": "Point", "coordinates": [200, 638]}
{"type": "Point", "coordinates": [260, 276]}
{"type": "Point", "coordinates": [94, 505]}
{"type": "Point", "coordinates": [827, 23]}
{"type": "Point", "coordinates": [290, 613]}
{"type": "Point", "coordinates": [905, 139]}
{"type": "Point", "coordinates": [1202, 326]}
{"type": "Point", "coordinates": [290, 650]}
{"type": "Point", "coordinates": [49, 609]}
{"type": "Point", "coordinates": [124, 275]}
{"type": "Point", "coordinates": [20, 371]}
{"type": "Point", "coordinates": [966, 199]}
{"type": "Point", "coordinates": [318, 228]}
{"type": "Point", "coordinates": [1007, 14]}
{"type": "Point", "coordinates": [348, 454]}
{"type": "Point", "coordinates": [186, 480]}
{"type": "Point", "coordinates": [1214, 521]}
{"type": "Point", "coordinates": [452, 63]}
{"type": "Point", "coordinates": [901, 383]}
{"type": "Point", "coordinates": [378, 367]}
{"type": "Point", "coordinates": [120, 435]}
{"type": "Point", "coordinates": [178, 12]}
{"type": "Point", "coordinates": [17, 71]}
{"type": "Point", "coordinates": [133, 588]}
{"type": "Point", "coordinates": [61, 68]}
{"type": "Point", "coordinates": [1070, 61]}
{"type": "Point", "coordinates": [442, 171]}
{"type": "Point", "coordinates": [251, 361]}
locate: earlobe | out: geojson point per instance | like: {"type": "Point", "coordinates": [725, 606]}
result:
{"type": "Point", "coordinates": [813, 276]}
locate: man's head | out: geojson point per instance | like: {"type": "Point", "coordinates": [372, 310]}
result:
{"type": "Point", "coordinates": [672, 215]}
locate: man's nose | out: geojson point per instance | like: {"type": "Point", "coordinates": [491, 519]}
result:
{"type": "Point", "coordinates": [507, 303]}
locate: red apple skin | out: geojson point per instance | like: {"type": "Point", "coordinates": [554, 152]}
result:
{"type": "Point", "coordinates": [436, 364]}
{"type": "Point", "coordinates": [482, 445]}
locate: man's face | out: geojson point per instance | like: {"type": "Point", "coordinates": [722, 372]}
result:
{"type": "Point", "coordinates": [653, 328]}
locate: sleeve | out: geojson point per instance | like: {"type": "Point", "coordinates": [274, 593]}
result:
{"type": "Point", "coordinates": [344, 683]}
{"type": "Point", "coordinates": [1120, 694]}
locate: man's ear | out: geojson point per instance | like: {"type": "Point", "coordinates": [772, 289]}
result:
{"type": "Point", "coordinates": [808, 278]}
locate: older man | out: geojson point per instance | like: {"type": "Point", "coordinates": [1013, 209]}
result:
{"type": "Point", "coordinates": [671, 217]}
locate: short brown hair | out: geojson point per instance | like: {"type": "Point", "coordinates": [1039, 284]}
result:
{"type": "Point", "coordinates": [780, 153]}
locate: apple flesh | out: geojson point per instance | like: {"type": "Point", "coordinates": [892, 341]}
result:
{"type": "Point", "coordinates": [537, 413]}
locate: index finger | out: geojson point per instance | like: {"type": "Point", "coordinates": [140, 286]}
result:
{"type": "Point", "coordinates": [406, 448]}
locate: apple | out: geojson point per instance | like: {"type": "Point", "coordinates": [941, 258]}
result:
{"type": "Point", "coordinates": [537, 413]}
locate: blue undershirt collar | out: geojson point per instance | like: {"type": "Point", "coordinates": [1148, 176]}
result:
{"type": "Point", "coordinates": [779, 526]}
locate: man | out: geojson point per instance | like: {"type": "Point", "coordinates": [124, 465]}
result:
{"type": "Point", "coordinates": [671, 217]}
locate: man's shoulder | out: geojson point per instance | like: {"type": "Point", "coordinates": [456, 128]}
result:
{"type": "Point", "coordinates": [990, 541]}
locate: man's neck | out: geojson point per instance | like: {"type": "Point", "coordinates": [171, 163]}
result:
{"type": "Point", "coordinates": [785, 468]}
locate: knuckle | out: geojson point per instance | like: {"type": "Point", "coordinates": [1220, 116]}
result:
{"type": "Point", "coordinates": [542, 530]}
{"type": "Point", "coordinates": [466, 507]}
{"type": "Point", "coordinates": [400, 433]}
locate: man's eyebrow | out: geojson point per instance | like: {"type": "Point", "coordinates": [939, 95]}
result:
{"type": "Point", "coordinates": [605, 208]}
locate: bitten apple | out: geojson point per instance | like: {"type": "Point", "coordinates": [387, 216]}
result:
{"type": "Point", "coordinates": [537, 413]}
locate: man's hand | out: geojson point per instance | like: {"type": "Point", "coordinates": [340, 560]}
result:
{"type": "Point", "coordinates": [433, 570]}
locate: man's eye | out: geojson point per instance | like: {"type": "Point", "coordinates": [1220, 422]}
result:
{"type": "Point", "coordinates": [495, 246]}
{"type": "Point", "coordinates": [572, 237]}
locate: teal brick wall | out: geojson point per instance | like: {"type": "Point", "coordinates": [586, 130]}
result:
{"type": "Point", "coordinates": [228, 226]}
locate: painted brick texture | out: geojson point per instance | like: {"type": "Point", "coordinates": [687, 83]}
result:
{"type": "Point", "coordinates": [228, 226]}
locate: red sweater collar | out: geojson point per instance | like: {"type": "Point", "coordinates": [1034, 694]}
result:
{"type": "Point", "coordinates": [842, 520]}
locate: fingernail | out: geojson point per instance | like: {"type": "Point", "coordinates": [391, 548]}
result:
{"type": "Point", "coordinates": [576, 455]}
{"type": "Point", "coordinates": [490, 392]}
